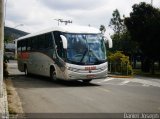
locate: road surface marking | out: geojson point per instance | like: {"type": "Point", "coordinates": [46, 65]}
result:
{"type": "Point", "coordinates": [102, 89]}
{"type": "Point", "coordinates": [124, 82]}
{"type": "Point", "coordinates": [147, 82]}
{"type": "Point", "coordinates": [108, 79]}
{"type": "Point", "coordinates": [146, 85]}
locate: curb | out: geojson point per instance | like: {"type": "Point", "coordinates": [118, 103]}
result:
{"type": "Point", "coordinates": [4, 104]}
{"type": "Point", "coordinates": [119, 76]}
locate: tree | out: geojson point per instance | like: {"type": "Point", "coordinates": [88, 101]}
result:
{"type": "Point", "coordinates": [144, 27]}
{"type": "Point", "coordinates": [116, 23]}
{"type": "Point", "coordinates": [121, 37]}
{"type": "Point", "coordinates": [124, 43]}
{"type": "Point", "coordinates": [7, 39]}
{"type": "Point", "coordinates": [102, 29]}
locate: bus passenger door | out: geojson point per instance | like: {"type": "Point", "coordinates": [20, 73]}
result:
{"type": "Point", "coordinates": [60, 58]}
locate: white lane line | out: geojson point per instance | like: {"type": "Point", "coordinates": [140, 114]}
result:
{"type": "Point", "coordinates": [146, 82]}
{"type": "Point", "coordinates": [124, 82]}
{"type": "Point", "coordinates": [108, 79]}
{"type": "Point", "coordinates": [146, 85]}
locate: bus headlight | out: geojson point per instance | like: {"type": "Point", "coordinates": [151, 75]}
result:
{"type": "Point", "coordinates": [72, 69]}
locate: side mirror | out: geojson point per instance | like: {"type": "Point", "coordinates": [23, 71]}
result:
{"type": "Point", "coordinates": [64, 41]}
{"type": "Point", "coordinates": [108, 39]}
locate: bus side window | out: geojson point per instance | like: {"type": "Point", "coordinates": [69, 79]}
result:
{"type": "Point", "coordinates": [48, 40]}
{"type": "Point", "coordinates": [34, 43]}
{"type": "Point", "coordinates": [41, 41]}
{"type": "Point", "coordinates": [23, 45]}
{"type": "Point", "coordinates": [19, 46]}
{"type": "Point", "coordinates": [29, 44]}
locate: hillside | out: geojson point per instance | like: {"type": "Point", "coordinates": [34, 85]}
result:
{"type": "Point", "coordinates": [12, 33]}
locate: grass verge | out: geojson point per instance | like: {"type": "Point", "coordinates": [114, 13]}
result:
{"type": "Point", "coordinates": [14, 104]}
{"type": "Point", "coordinates": [140, 73]}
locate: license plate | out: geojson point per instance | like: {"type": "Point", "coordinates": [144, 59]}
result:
{"type": "Point", "coordinates": [91, 76]}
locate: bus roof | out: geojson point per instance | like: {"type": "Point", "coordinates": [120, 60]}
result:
{"type": "Point", "coordinates": [68, 29]}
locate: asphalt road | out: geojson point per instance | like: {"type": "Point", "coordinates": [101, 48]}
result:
{"type": "Point", "coordinates": [111, 95]}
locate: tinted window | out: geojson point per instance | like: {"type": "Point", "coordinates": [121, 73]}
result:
{"type": "Point", "coordinates": [48, 40]}
{"type": "Point", "coordinates": [34, 43]}
{"type": "Point", "coordinates": [19, 46]}
{"type": "Point", "coordinates": [41, 41]}
{"type": "Point", "coordinates": [24, 44]}
{"type": "Point", "coordinates": [28, 44]}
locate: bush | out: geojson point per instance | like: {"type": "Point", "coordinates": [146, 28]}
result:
{"type": "Point", "coordinates": [5, 59]}
{"type": "Point", "coordinates": [5, 70]}
{"type": "Point", "coordinates": [120, 63]}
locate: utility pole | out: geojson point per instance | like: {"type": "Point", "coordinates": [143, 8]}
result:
{"type": "Point", "coordinates": [1, 44]}
{"type": "Point", "coordinates": [152, 2]}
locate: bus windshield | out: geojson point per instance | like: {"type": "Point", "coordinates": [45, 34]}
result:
{"type": "Point", "coordinates": [85, 49]}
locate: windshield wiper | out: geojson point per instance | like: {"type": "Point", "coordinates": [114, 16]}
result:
{"type": "Point", "coordinates": [84, 54]}
{"type": "Point", "coordinates": [98, 60]}
{"type": "Point", "coordinates": [75, 62]}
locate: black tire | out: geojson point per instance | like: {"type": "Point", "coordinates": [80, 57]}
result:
{"type": "Point", "coordinates": [87, 80]}
{"type": "Point", "coordinates": [53, 74]}
{"type": "Point", "coordinates": [26, 71]}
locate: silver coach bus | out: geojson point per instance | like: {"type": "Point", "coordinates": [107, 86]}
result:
{"type": "Point", "coordinates": [64, 52]}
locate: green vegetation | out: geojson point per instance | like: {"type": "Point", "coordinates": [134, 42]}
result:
{"type": "Point", "coordinates": [144, 28]}
{"type": "Point", "coordinates": [11, 34]}
{"type": "Point", "coordinates": [146, 74]}
{"type": "Point", "coordinates": [5, 71]}
{"type": "Point", "coordinates": [102, 28]}
{"type": "Point", "coordinates": [120, 63]}
{"type": "Point", "coordinates": [137, 36]}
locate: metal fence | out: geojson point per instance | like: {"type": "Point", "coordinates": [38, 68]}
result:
{"type": "Point", "coordinates": [119, 68]}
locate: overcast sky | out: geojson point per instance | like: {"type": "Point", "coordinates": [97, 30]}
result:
{"type": "Point", "coordinates": [40, 14]}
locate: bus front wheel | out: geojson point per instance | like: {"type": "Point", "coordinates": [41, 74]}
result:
{"type": "Point", "coordinates": [53, 74]}
{"type": "Point", "coordinates": [87, 80]}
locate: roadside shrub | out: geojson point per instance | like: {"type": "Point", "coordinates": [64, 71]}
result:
{"type": "Point", "coordinates": [5, 69]}
{"type": "Point", "coordinates": [119, 63]}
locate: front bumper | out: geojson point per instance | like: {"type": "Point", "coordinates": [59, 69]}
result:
{"type": "Point", "coordinates": [73, 75]}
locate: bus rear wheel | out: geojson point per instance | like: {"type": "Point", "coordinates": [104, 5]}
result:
{"type": "Point", "coordinates": [53, 74]}
{"type": "Point", "coordinates": [26, 70]}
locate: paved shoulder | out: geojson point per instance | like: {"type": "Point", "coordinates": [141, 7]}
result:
{"type": "Point", "coordinates": [12, 68]}
{"type": "Point", "coordinates": [130, 81]}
